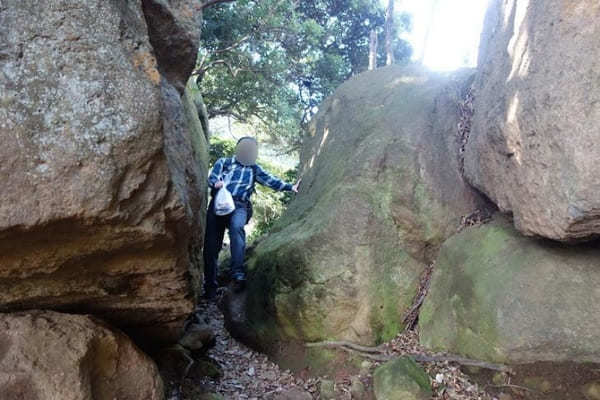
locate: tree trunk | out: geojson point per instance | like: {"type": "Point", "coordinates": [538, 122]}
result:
{"type": "Point", "coordinates": [389, 32]}
{"type": "Point", "coordinates": [373, 50]}
{"type": "Point", "coordinates": [434, 4]}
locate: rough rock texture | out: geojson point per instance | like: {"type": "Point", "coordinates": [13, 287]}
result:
{"type": "Point", "coordinates": [381, 190]}
{"type": "Point", "coordinates": [195, 111]}
{"type": "Point", "coordinates": [48, 355]}
{"type": "Point", "coordinates": [535, 141]}
{"type": "Point", "coordinates": [499, 296]}
{"type": "Point", "coordinates": [174, 31]}
{"type": "Point", "coordinates": [401, 379]}
{"type": "Point", "coordinates": [101, 172]}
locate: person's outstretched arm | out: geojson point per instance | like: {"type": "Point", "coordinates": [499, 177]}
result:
{"type": "Point", "coordinates": [275, 183]}
{"type": "Point", "coordinates": [214, 179]}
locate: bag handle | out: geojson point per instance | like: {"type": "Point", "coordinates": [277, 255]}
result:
{"type": "Point", "coordinates": [227, 178]}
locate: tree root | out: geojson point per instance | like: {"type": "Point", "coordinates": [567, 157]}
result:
{"type": "Point", "coordinates": [349, 345]}
{"type": "Point", "coordinates": [412, 315]}
{"type": "Point", "coordinates": [508, 385]}
{"type": "Point", "coordinates": [462, 361]}
{"type": "Point", "coordinates": [378, 354]}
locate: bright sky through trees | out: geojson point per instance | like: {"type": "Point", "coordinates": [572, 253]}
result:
{"type": "Point", "coordinates": [455, 30]}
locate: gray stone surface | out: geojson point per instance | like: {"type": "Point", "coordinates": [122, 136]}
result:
{"type": "Point", "coordinates": [102, 185]}
{"type": "Point", "coordinates": [497, 295]}
{"type": "Point", "coordinates": [535, 143]}
{"type": "Point", "coordinates": [401, 379]}
{"type": "Point", "coordinates": [48, 355]}
{"type": "Point", "coordinates": [381, 191]}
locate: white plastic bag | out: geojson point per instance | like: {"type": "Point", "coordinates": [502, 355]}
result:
{"type": "Point", "coordinates": [224, 204]}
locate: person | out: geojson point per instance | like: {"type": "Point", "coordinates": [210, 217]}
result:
{"type": "Point", "coordinates": [240, 172]}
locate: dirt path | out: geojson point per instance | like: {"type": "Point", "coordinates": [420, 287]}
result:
{"type": "Point", "coordinates": [247, 374]}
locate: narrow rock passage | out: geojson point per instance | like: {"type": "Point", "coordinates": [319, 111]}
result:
{"type": "Point", "coordinates": [247, 374]}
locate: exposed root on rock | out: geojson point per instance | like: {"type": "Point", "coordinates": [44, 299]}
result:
{"type": "Point", "coordinates": [466, 111]}
{"type": "Point", "coordinates": [348, 345]}
{"type": "Point", "coordinates": [412, 315]}
{"type": "Point", "coordinates": [242, 373]}
{"type": "Point", "coordinates": [478, 217]}
{"type": "Point", "coordinates": [512, 387]}
{"type": "Point", "coordinates": [381, 354]}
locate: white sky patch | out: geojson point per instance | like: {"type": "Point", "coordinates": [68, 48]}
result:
{"type": "Point", "coordinates": [454, 37]}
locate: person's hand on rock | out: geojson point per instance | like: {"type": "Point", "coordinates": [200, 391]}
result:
{"type": "Point", "coordinates": [295, 187]}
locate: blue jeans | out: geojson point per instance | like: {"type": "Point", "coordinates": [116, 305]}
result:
{"type": "Point", "coordinates": [213, 242]}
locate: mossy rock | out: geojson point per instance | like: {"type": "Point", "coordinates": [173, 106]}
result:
{"type": "Point", "coordinates": [591, 391]}
{"type": "Point", "coordinates": [198, 135]}
{"type": "Point", "coordinates": [499, 296]}
{"type": "Point", "coordinates": [327, 389]}
{"type": "Point", "coordinates": [205, 367]}
{"type": "Point", "coordinates": [538, 383]}
{"type": "Point", "coordinates": [381, 191]}
{"type": "Point", "coordinates": [401, 379]}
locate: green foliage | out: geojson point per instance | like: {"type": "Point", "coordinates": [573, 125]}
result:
{"type": "Point", "coordinates": [268, 205]}
{"type": "Point", "coordinates": [220, 148]}
{"type": "Point", "coordinates": [272, 62]}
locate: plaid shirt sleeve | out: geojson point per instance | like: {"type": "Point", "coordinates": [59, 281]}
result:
{"type": "Point", "coordinates": [271, 181]}
{"type": "Point", "coordinates": [215, 174]}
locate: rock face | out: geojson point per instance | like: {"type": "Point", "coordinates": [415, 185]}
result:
{"type": "Point", "coordinates": [174, 29]}
{"type": "Point", "coordinates": [535, 140]}
{"type": "Point", "coordinates": [48, 355]}
{"type": "Point", "coordinates": [380, 191]}
{"type": "Point", "coordinates": [101, 166]}
{"type": "Point", "coordinates": [499, 296]}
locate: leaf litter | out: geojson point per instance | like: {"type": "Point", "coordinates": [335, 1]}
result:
{"type": "Point", "coordinates": [250, 375]}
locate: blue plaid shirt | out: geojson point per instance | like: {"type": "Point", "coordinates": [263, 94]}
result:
{"type": "Point", "coordinates": [241, 178]}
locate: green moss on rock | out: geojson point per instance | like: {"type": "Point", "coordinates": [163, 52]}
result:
{"type": "Point", "coordinates": [499, 296]}
{"type": "Point", "coordinates": [401, 379]}
{"type": "Point", "coordinates": [197, 132]}
{"type": "Point", "coordinates": [381, 191]}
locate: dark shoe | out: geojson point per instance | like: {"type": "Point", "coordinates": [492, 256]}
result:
{"type": "Point", "coordinates": [209, 294]}
{"type": "Point", "coordinates": [239, 285]}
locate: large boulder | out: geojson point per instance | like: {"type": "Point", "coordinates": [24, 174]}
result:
{"type": "Point", "coordinates": [48, 355]}
{"type": "Point", "coordinates": [500, 296]}
{"type": "Point", "coordinates": [381, 190]}
{"type": "Point", "coordinates": [101, 167]}
{"type": "Point", "coordinates": [535, 137]}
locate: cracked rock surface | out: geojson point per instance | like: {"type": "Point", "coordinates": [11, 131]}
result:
{"type": "Point", "coordinates": [99, 210]}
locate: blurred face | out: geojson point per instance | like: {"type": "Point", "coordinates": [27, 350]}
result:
{"type": "Point", "coordinates": [246, 152]}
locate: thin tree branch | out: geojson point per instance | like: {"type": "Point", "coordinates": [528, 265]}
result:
{"type": "Point", "coordinates": [223, 62]}
{"type": "Point", "coordinates": [201, 63]}
{"type": "Point", "coordinates": [233, 45]}
{"type": "Point", "coordinates": [203, 69]}
{"type": "Point", "coordinates": [213, 2]}
{"type": "Point", "coordinates": [222, 113]}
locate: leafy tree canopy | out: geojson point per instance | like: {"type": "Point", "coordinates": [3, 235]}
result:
{"type": "Point", "coordinates": [272, 62]}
